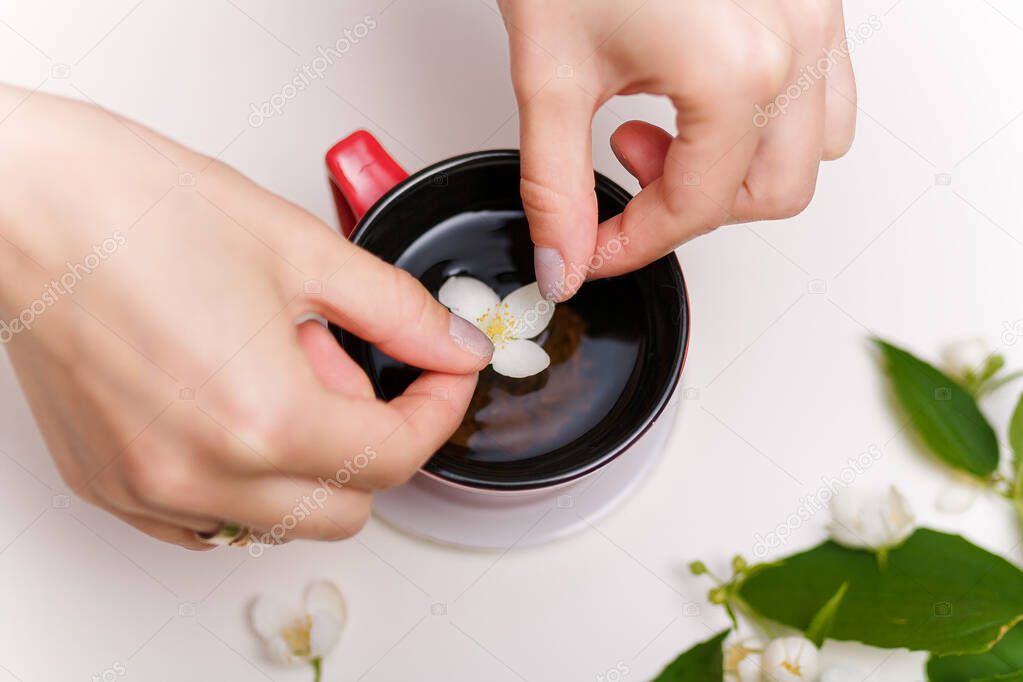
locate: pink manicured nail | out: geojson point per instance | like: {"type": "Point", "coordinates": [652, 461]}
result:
{"type": "Point", "coordinates": [467, 336]}
{"type": "Point", "coordinates": [550, 272]}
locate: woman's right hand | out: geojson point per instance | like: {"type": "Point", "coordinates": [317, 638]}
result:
{"type": "Point", "coordinates": [148, 300]}
{"type": "Point", "coordinates": [762, 90]}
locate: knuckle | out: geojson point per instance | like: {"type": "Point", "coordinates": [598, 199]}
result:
{"type": "Point", "coordinates": [785, 202]}
{"type": "Point", "coordinates": [139, 473]}
{"type": "Point", "coordinates": [540, 197]}
{"type": "Point", "coordinates": [257, 423]}
{"type": "Point", "coordinates": [767, 66]}
{"type": "Point", "coordinates": [360, 520]}
{"type": "Point", "coordinates": [677, 199]}
{"type": "Point", "coordinates": [536, 91]}
{"type": "Point", "coordinates": [351, 521]}
{"type": "Point", "coordinates": [696, 209]}
{"type": "Point", "coordinates": [756, 61]}
{"type": "Point", "coordinates": [839, 140]}
{"type": "Point", "coordinates": [399, 462]}
{"type": "Point", "coordinates": [415, 304]}
{"type": "Point", "coordinates": [397, 473]}
{"type": "Point", "coordinates": [160, 480]}
{"type": "Point", "coordinates": [837, 148]}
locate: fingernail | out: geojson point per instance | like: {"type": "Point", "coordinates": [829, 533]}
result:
{"type": "Point", "coordinates": [550, 272]}
{"type": "Point", "coordinates": [468, 337]}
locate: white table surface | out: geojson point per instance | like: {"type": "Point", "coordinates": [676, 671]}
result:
{"type": "Point", "coordinates": [785, 390]}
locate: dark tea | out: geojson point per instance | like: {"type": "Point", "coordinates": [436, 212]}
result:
{"type": "Point", "coordinates": [595, 341]}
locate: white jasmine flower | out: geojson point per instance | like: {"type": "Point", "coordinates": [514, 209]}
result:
{"type": "Point", "coordinates": [843, 673]}
{"type": "Point", "coordinates": [958, 495]}
{"type": "Point", "coordinates": [870, 520]}
{"type": "Point", "coordinates": [790, 659]}
{"type": "Point", "coordinates": [748, 669]}
{"type": "Point", "coordinates": [742, 660]}
{"type": "Point", "coordinates": [509, 323]}
{"type": "Point", "coordinates": [307, 635]}
{"type": "Point", "coordinates": [967, 356]}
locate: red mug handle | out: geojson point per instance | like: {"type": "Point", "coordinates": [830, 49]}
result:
{"type": "Point", "coordinates": [362, 172]}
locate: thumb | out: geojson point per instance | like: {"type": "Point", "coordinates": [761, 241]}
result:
{"type": "Point", "coordinates": [557, 185]}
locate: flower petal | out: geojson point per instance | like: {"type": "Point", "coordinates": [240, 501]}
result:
{"type": "Point", "coordinates": [520, 358]}
{"type": "Point", "coordinates": [748, 669]}
{"type": "Point", "coordinates": [279, 651]}
{"type": "Point", "coordinates": [531, 311]}
{"type": "Point", "coordinates": [874, 523]}
{"type": "Point", "coordinates": [957, 497]}
{"type": "Point", "coordinates": [843, 673]}
{"type": "Point", "coordinates": [468, 297]}
{"type": "Point", "coordinates": [324, 596]}
{"type": "Point", "coordinates": [267, 618]}
{"type": "Point", "coordinates": [872, 520]}
{"type": "Point", "coordinates": [324, 633]}
{"type": "Point", "coordinates": [846, 528]}
{"type": "Point", "coordinates": [742, 657]}
{"type": "Point", "coordinates": [899, 518]}
{"type": "Point", "coordinates": [790, 659]}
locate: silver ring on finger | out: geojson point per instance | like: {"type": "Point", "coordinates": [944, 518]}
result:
{"type": "Point", "coordinates": [226, 535]}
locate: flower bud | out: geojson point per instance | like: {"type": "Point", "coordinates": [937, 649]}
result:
{"type": "Point", "coordinates": [790, 659]}
{"type": "Point", "coordinates": [864, 519]}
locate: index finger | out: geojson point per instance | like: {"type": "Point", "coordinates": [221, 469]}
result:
{"type": "Point", "coordinates": [557, 184]}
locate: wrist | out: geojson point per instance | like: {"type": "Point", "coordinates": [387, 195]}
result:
{"type": "Point", "coordinates": [31, 194]}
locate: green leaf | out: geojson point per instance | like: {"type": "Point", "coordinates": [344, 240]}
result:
{"type": "Point", "coordinates": [1005, 659]}
{"type": "Point", "coordinates": [702, 663]}
{"type": "Point", "coordinates": [938, 593]}
{"type": "Point", "coordinates": [993, 366]}
{"type": "Point", "coordinates": [1016, 431]}
{"type": "Point", "coordinates": [1016, 442]}
{"type": "Point", "coordinates": [944, 414]}
{"type": "Point", "coordinates": [821, 625]}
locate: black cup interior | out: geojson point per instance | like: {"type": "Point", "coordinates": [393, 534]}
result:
{"type": "Point", "coordinates": [464, 217]}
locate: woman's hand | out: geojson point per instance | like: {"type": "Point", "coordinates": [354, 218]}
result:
{"type": "Point", "coordinates": [763, 91]}
{"type": "Point", "coordinates": [148, 299]}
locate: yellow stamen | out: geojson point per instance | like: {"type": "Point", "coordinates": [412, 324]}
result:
{"type": "Point", "coordinates": [499, 325]}
{"type": "Point", "coordinates": [296, 635]}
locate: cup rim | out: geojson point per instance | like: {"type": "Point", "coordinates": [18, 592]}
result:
{"type": "Point", "coordinates": [680, 351]}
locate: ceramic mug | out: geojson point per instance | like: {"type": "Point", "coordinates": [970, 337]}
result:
{"type": "Point", "coordinates": [385, 210]}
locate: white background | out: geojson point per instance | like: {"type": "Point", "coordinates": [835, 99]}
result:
{"type": "Point", "coordinates": [786, 388]}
